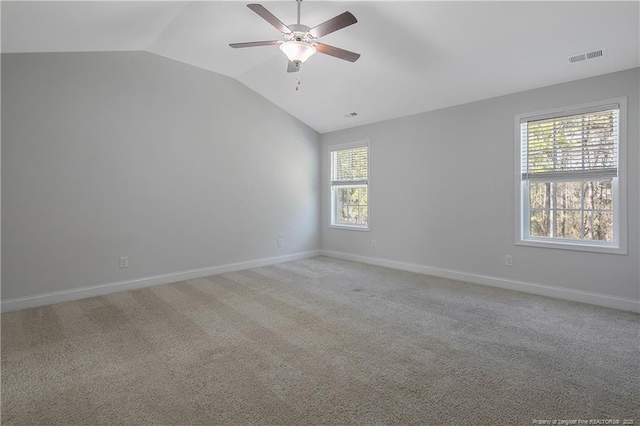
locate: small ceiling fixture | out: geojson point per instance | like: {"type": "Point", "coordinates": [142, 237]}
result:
{"type": "Point", "coordinates": [299, 41]}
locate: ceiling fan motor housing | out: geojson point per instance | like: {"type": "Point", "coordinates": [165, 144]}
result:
{"type": "Point", "coordinates": [299, 33]}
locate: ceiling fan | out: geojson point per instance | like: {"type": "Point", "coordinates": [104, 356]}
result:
{"type": "Point", "coordinates": [301, 42]}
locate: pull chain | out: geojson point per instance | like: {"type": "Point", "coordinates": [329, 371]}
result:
{"type": "Point", "coordinates": [298, 75]}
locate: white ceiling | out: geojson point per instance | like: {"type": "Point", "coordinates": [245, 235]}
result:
{"type": "Point", "coordinates": [416, 56]}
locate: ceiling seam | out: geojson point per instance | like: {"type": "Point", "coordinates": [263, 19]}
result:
{"type": "Point", "coordinates": [169, 24]}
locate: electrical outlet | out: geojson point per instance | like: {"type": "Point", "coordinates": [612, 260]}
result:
{"type": "Point", "coordinates": [280, 242]}
{"type": "Point", "coordinates": [124, 262]}
{"type": "Point", "coordinates": [373, 243]}
{"type": "Point", "coordinates": [508, 260]}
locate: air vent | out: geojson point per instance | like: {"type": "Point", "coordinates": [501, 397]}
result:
{"type": "Point", "coordinates": [577, 58]}
{"type": "Point", "coordinates": [586, 55]}
{"type": "Point", "coordinates": [351, 114]}
{"type": "Point", "coordinates": [595, 54]}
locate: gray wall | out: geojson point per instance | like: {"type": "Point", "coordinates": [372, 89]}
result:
{"type": "Point", "coordinates": [443, 185]}
{"type": "Point", "coordinates": [130, 154]}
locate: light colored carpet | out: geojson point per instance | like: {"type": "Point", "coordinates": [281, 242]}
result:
{"type": "Point", "coordinates": [319, 341]}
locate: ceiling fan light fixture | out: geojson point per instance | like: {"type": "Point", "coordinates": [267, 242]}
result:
{"type": "Point", "coordinates": [297, 51]}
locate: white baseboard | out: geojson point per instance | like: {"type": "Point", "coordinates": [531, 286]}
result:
{"type": "Point", "coordinates": [102, 289]}
{"type": "Point", "coordinates": [539, 289]}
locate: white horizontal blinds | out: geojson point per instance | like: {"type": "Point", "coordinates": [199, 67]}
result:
{"type": "Point", "coordinates": [580, 146]}
{"type": "Point", "coordinates": [350, 166]}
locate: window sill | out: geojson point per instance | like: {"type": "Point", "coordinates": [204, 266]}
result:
{"type": "Point", "coordinates": [350, 228]}
{"type": "Point", "coordinates": [571, 245]}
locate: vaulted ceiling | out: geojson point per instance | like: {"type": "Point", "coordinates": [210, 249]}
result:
{"type": "Point", "coordinates": [416, 56]}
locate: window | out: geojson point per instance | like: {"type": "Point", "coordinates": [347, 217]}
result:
{"type": "Point", "coordinates": [350, 186]}
{"type": "Point", "coordinates": [570, 178]}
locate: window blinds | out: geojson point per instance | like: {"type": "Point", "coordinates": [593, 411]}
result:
{"type": "Point", "coordinates": [350, 166]}
{"type": "Point", "coordinates": [580, 146]}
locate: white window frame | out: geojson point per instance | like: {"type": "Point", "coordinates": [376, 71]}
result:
{"type": "Point", "coordinates": [333, 194]}
{"type": "Point", "coordinates": [522, 228]}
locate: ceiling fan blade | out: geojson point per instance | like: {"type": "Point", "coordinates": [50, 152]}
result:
{"type": "Point", "coordinates": [293, 67]}
{"type": "Point", "coordinates": [269, 17]}
{"type": "Point", "coordinates": [255, 43]}
{"type": "Point", "coordinates": [333, 24]}
{"type": "Point", "coordinates": [337, 52]}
